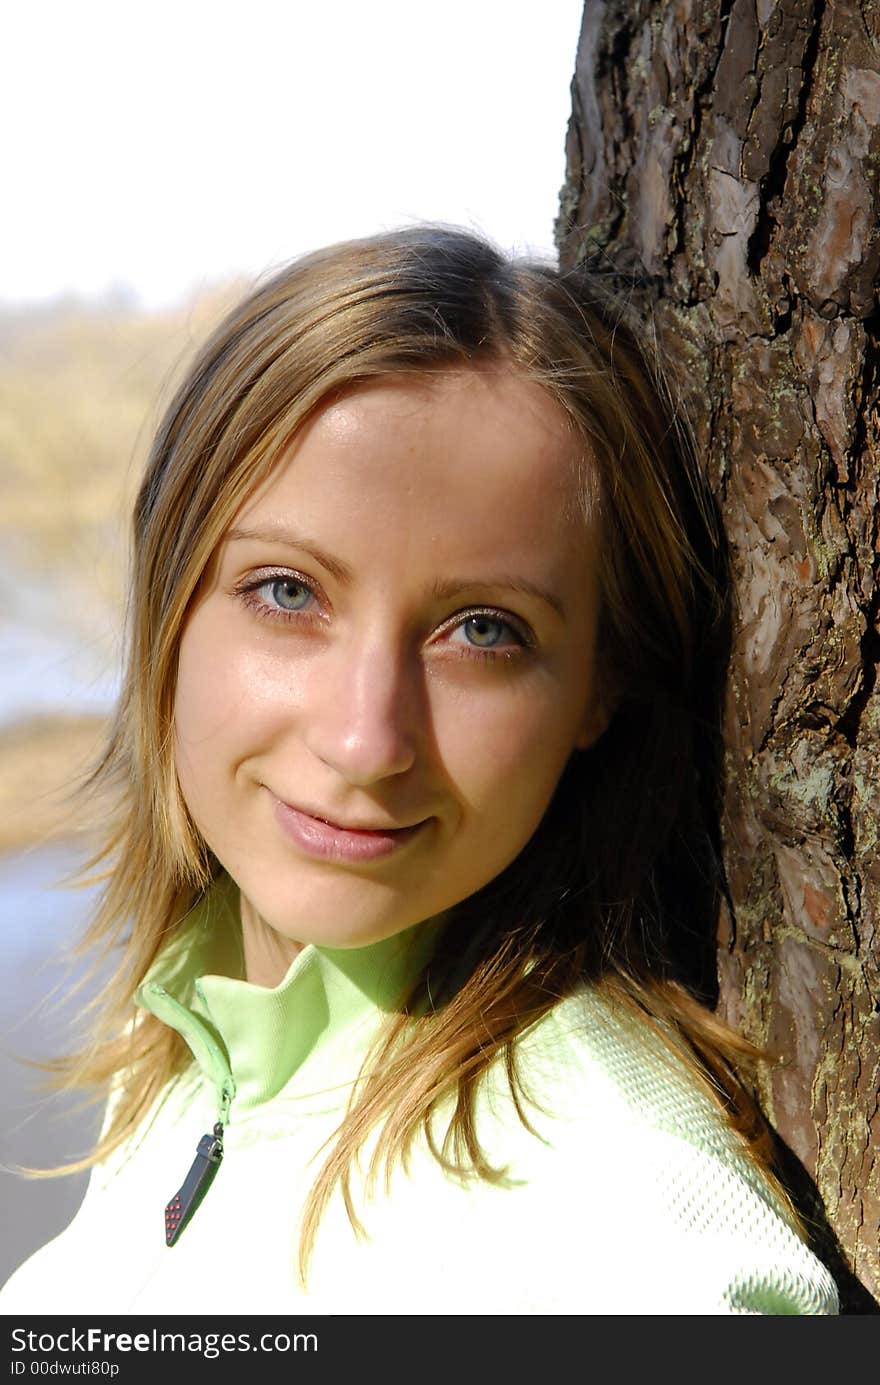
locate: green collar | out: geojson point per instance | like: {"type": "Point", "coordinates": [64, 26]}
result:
{"type": "Point", "coordinates": [248, 1040]}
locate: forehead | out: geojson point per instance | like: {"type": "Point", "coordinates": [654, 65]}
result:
{"type": "Point", "coordinates": [463, 403]}
{"type": "Point", "coordinates": [407, 481]}
{"type": "Point", "coordinates": [489, 438]}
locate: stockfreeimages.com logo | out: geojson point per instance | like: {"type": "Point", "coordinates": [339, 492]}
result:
{"type": "Point", "coordinates": [92, 1341]}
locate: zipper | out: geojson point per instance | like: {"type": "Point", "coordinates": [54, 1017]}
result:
{"type": "Point", "coordinates": [178, 1211]}
{"type": "Point", "coordinates": [214, 1063]}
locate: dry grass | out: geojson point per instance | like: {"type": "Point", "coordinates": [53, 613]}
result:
{"type": "Point", "coordinates": [81, 390]}
{"type": "Point", "coordinates": [41, 761]}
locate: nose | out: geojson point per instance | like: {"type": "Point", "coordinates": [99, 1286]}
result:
{"type": "Point", "coordinates": [365, 713]}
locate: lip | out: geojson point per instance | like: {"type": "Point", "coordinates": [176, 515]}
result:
{"type": "Point", "coordinates": [328, 841]}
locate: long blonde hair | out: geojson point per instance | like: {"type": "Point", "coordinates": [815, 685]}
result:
{"type": "Point", "coordinates": [618, 884]}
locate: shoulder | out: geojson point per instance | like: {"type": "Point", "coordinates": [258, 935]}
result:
{"type": "Point", "coordinates": [594, 1045]}
{"type": "Point", "coordinates": [642, 1148]}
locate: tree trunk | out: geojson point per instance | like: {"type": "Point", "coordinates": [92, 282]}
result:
{"type": "Point", "coordinates": [726, 155]}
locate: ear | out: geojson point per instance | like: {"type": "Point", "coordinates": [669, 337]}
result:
{"type": "Point", "coordinates": [594, 724]}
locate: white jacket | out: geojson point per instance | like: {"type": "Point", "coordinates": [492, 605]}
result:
{"type": "Point", "coordinates": [634, 1197]}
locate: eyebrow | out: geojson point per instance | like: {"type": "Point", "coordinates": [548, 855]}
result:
{"type": "Point", "coordinates": [442, 589]}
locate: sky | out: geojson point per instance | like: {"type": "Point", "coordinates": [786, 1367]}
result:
{"type": "Point", "coordinates": [157, 148]}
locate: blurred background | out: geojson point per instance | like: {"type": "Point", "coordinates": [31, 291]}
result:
{"type": "Point", "coordinates": [157, 161]}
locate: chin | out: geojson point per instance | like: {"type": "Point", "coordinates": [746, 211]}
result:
{"type": "Point", "coordinates": [342, 914]}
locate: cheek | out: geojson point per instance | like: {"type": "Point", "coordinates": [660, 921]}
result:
{"type": "Point", "coordinates": [225, 705]}
{"type": "Point", "coordinates": [508, 755]}
{"type": "Point", "coordinates": [228, 693]}
{"type": "Point", "coordinates": [207, 694]}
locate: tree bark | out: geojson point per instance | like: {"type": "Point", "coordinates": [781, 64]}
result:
{"type": "Point", "coordinates": [725, 155]}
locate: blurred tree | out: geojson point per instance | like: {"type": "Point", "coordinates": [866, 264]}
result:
{"type": "Point", "coordinates": [723, 154]}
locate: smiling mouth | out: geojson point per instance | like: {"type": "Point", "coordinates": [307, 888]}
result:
{"type": "Point", "coordinates": [345, 827]}
{"type": "Point", "coordinates": [321, 837]}
{"type": "Point", "coordinates": [367, 827]}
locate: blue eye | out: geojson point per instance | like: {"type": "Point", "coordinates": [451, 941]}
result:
{"type": "Point", "coordinates": [480, 634]}
{"type": "Point", "coordinates": [484, 631]}
{"type": "Point", "coordinates": [278, 596]}
{"type": "Point", "coordinates": [288, 593]}
{"type": "Point", "coordinates": [488, 635]}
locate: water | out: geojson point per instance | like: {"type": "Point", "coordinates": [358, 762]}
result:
{"type": "Point", "coordinates": [53, 658]}
{"type": "Point", "coordinates": [49, 673]}
{"type": "Point", "coordinates": [38, 1018]}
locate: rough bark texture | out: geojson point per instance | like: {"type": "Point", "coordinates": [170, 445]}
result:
{"type": "Point", "coordinates": [727, 154]}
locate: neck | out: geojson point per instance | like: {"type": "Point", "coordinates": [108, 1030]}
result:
{"type": "Point", "coordinates": [267, 953]}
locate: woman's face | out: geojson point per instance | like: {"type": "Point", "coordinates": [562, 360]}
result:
{"type": "Point", "coordinates": [395, 637]}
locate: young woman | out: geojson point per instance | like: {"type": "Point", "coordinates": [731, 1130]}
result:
{"type": "Point", "coordinates": [411, 829]}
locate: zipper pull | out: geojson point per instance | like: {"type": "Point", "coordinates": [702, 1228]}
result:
{"type": "Point", "coordinates": [197, 1182]}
